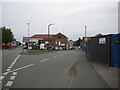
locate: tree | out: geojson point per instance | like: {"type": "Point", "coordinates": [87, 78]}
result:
{"type": "Point", "coordinates": [77, 43]}
{"type": "Point", "coordinates": [7, 35]}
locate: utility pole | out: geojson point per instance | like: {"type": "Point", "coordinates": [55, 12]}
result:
{"type": "Point", "coordinates": [28, 33]}
{"type": "Point", "coordinates": [49, 34]}
{"type": "Point", "coordinates": [85, 31]}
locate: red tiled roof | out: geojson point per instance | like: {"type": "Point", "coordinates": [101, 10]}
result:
{"type": "Point", "coordinates": [42, 36]}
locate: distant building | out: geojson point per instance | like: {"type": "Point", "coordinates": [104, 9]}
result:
{"type": "Point", "coordinates": [59, 40]}
{"type": "Point", "coordinates": [70, 43]}
{"type": "Point", "coordinates": [84, 41]}
{"type": "Point", "coordinates": [98, 35]}
{"type": "Point", "coordinates": [25, 39]}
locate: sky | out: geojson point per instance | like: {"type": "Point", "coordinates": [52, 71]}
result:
{"type": "Point", "coordinates": [69, 17]}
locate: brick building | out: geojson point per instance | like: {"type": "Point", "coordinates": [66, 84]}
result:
{"type": "Point", "coordinates": [59, 40]}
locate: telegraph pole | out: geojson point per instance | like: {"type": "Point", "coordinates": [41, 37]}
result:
{"type": "Point", "coordinates": [49, 34]}
{"type": "Point", "coordinates": [85, 31]}
{"type": "Point", "coordinates": [28, 33]}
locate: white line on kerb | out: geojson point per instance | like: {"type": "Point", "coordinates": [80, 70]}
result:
{"type": "Point", "coordinates": [21, 68]}
{"type": "Point", "coordinates": [44, 60]}
{"type": "Point", "coordinates": [12, 77]}
{"type": "Point", "coordinates": [9, 83]}
{"type": "Point", "coordinates": [15, 60]}
{"type": "Point", "coordinates": [1, 78]}
{"type": "Point", "coordinates": [5, 73]}
{"type": "Point", "coordinates": [14, 73]}
{"type": "Point", "coordinates": [8, 69]}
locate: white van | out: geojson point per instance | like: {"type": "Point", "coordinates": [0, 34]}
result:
{"type": "Point", "coordinates": [42, 46]}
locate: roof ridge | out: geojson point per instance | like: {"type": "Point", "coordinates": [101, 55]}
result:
{"type": "Point", "coordinates": [44, 34]}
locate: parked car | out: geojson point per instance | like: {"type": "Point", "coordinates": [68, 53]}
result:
{"type": "Point", "coordinates": [51, 48]}
{"type": "Point", "coordinates": [79, 47]}
{"type": "Point", "coordinates": [34, 47]}
{"type": "Point", "coordinates": [56, 48]}
{"type": "Point", "coordinates": [43, 46]}
{"type": "Point", "coordinates": [25, 47]}
{"type": "Point", "coordinates": [30, 47]}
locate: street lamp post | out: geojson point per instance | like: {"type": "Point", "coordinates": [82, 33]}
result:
{"type": "Point", "coordinates": [28, 33]}
{"type": "Point", "coordinates": [49, 34]}
{"type": "Point", "coordinates": [85, 31]}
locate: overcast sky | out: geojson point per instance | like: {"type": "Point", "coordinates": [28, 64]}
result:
{"type": "Point", "coordinates": [69, 18]}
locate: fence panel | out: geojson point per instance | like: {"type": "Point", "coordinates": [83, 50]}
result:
{"type": "Point", "coordinates": [115, 50]}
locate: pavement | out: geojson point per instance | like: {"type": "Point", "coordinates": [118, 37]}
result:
{"type": "Point", "coordinates": [108, 73]}
{"type": "Point", "coordinates": [86, 76]}
{"type": "Point", "coordinates": [59, 69]}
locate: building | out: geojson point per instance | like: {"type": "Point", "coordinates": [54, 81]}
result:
{"type": "Point", "coordinates": [84, 42]}
{"type": "Point", "coordinates": [59, 40]}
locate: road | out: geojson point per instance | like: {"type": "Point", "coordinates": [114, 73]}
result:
{"type": "Point", "coordinates": [58, 69]}
{"type": "Point", "coordinates": [9, 56]}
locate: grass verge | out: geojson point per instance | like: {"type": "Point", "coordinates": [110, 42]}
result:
{"type": "Point", "coordinates": [37, 51]}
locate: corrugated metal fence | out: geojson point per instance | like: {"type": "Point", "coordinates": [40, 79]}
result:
{"type": "Point", "coordinates": [115, 50]}
{"type": "Point", "coordinates": [104, 49]}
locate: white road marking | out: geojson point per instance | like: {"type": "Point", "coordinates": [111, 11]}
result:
{"type": "Point", "coordinates": [15, 60]}
{"type": "Point", "coordinates": [1, 78]}
{"type": "Point", "coordinates": [12, 77]}
{"type": "Point", "coordinates": [9, 83]}
{"type": "Point", "coordinates": [5, 73]}
{"type": "Point", "coordinates": [14, 73]}
{"type": "Point", "coordinates": [20, 68]}
{"type": "Point", "coordinates": [8, 69]}
{"type": "Point", "coordinates": [44, 60]}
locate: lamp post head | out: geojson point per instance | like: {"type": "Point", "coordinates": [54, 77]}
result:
{"type": "Point", "coordinates": [51, 24]}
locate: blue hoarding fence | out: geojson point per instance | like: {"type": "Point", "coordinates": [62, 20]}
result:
{"type": "Point", "coordinates": [115, 50]}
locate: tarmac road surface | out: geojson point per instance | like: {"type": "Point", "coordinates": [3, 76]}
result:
{"type": "Point", "coordinates": [58, 69]}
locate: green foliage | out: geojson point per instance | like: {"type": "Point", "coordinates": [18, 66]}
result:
{"type": "Point", "coordinates": [71, 40]}
{"type": "Point", "coordinates": [77, 43]}
{"type": "Point", "coordinates": [7, 35]}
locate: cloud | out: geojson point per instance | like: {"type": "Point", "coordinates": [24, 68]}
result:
{"type": "Point", "coordinates": [69, 18]}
